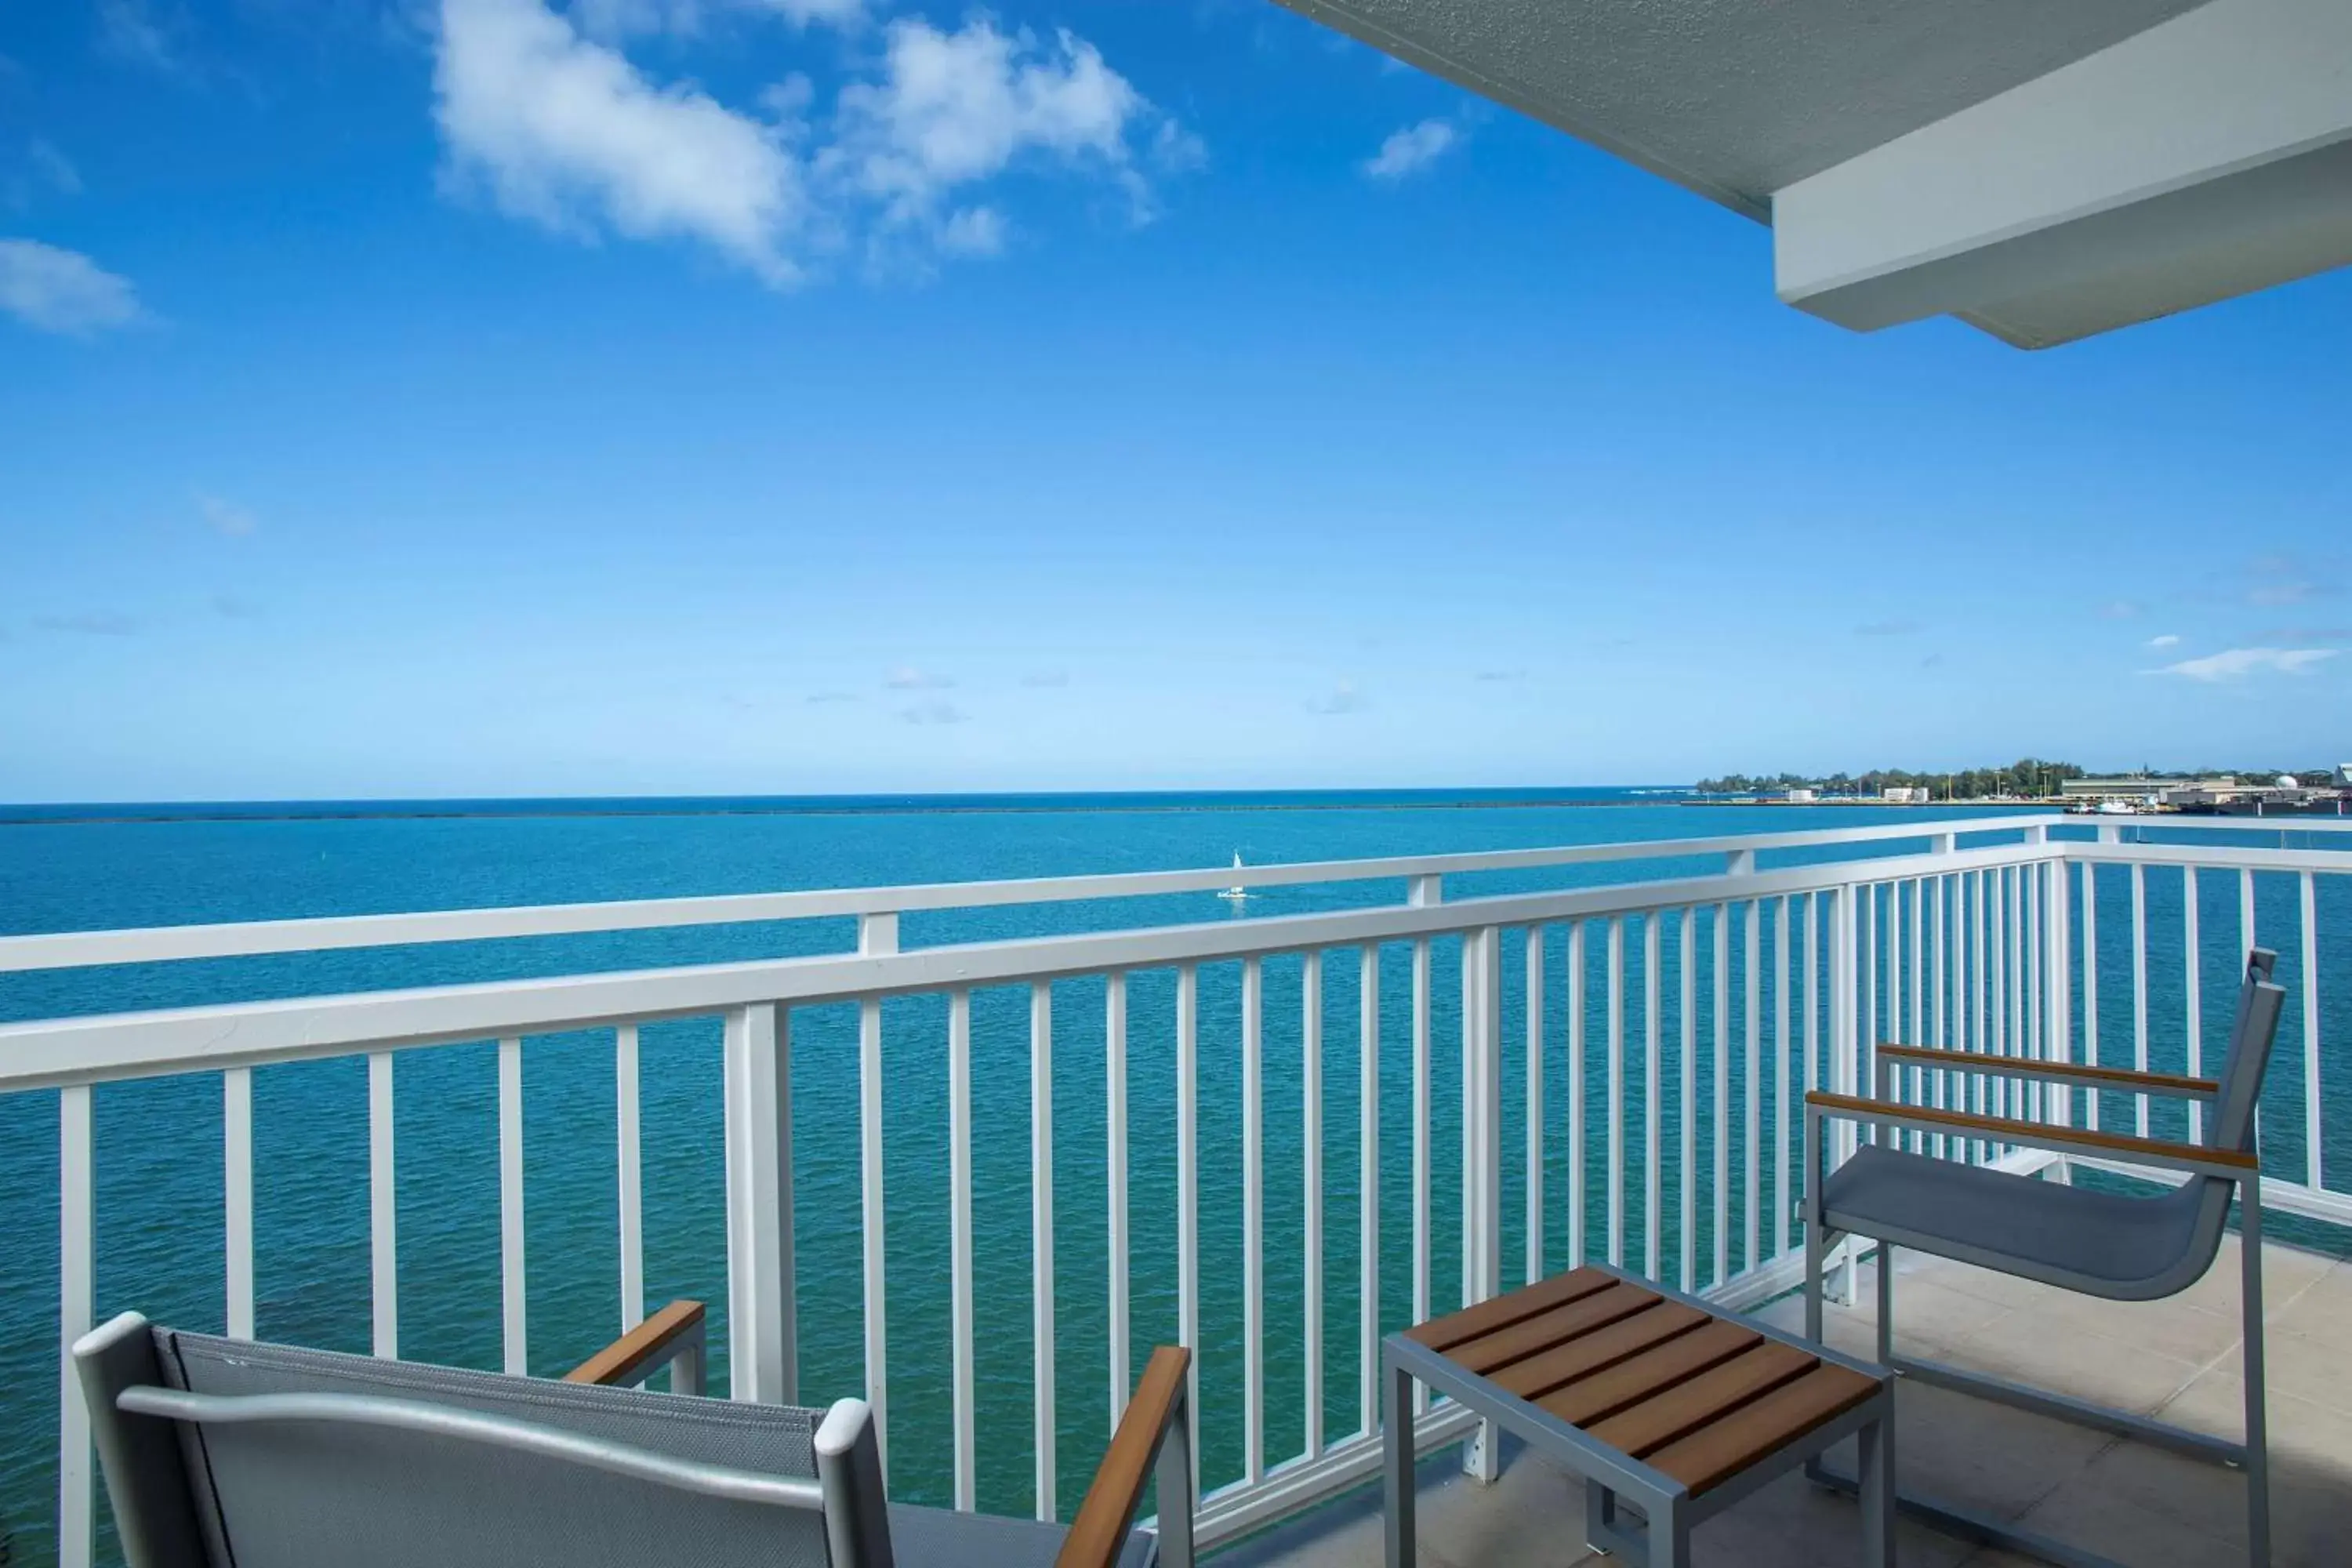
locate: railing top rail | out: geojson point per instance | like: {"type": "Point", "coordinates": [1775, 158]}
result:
{"type": "Point", "coordinates": [87, 1049]}
{"type": "Point", "coordinates": [73, 950]}
{"type": "Point", "coordinates": [2227, 857]}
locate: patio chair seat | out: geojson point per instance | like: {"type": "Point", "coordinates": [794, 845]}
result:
{"type": "Point", "coordinates": [2104, 1244]}
{"type": "Point", "coordinates": [940, 1538]}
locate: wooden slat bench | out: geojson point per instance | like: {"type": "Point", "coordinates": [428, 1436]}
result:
{"type": "Point", "coordinates": [1651, 1396]}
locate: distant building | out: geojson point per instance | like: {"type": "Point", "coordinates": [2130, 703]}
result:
{"type": "Point", "coordinates": [1905, 795]}
{"type": "Point", "coordinates": [2141, 789]}
{"type": "Point", "coordinates": [2344, 775]}
{"type": "Point", "coordinates": [1801, 797]}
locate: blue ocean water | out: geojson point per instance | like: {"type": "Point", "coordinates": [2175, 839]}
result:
{"type": "Point", "coordinates": [158, 1143]}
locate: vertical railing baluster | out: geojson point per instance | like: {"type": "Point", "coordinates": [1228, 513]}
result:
{"type": "Point", "coordinates": [236, 1182]}
{"type": "Point", "coordinates": [76, 1304]}
{"type": "Point", "coordinates": [1652, 1036]}
{"type": "Point", "coordinates": [1420, 1152]}
{"type": "Point", "coordinates": [629, 1164]}
{"type": "Point", "coordinates": [1722, 1162]}
{"type": "Point", "coordinates": [2091, 1097]}
{"type": "Point", "coordinates": [1813, 991]}
{"type": "Point", "coordinates": [383, 1251]}
{"type": "Point", "coordinates": [2139, 989]}
{"type": "Point", "coordinates": [1482, 1138]}
{"type": "Point", "coordinates": [1752, 1102]}
{"type": "Point", "coordinates": [516, 1313]}
{"type": "Point", "coordinates": [1310, 1081]}
{"type": "Point", "coordinates": [1577, 1145]}
{"type": "Point", "coordinates": [1188, 1191]}
{"type": "Point", "coordinates": [2024, 991]}
{"type": "Point", "coordinates": [1941, 888]}
{"type": "Point", "coordinates": [1253, 1219]}
{"type": "Point", "coordinates": [1780, 1184]}
{"type": "Point", "coordinates": [1534, 1178]}
{"type": "Point", "coordinates": [1115, 1161]}
{"type": "Point", "coordinates": [1984, 962]}
{"type": "Point", "coordinates": [2311, 1106]}
{"type": "Point", "coordinates": [2030, 954]}
{"type": "Point", "coordinates": [1918, 996]}
{"type": "Point", "coordinates": [960, 1262]}
{"type": "Point", "coordinates": [1686, 1169]}
{"type": "Point", "coordinates": [877, 934]}
{"type": "Point", "coordinates": [1041, 1242]}
{"type": "Point", "coordinates": [1866, 1043]}
{"type": "Point", "coordinates": [2057, 945]}
{"type": "Point", "coordinates": [1368, 1245]}
{"type": "Point", "coordinates": [1999, 981]}
{"type": "Point", "coordinates": [1616, 1170]}
{"type": "Point", "coordinates": [2192, 1000]}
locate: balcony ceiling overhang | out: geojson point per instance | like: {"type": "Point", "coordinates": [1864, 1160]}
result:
{"type": "Point", "coordinates": [2046, 170]}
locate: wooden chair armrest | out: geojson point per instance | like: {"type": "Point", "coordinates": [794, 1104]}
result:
{"type": "Point", "coordinates": [675, 1330]}
{"type": "Point", "coordinates": [2037, 1134]}
{"type": "Point", "coordinates": [2065, 1072]}
{"type": "Point", "coordinates": [1099, 1533]}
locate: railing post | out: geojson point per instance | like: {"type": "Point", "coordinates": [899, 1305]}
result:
{"type": "Point", "coordinates": [1482, 1147]}
{"type": "Point", "coordinates": [1739, 862]}
{"type": "Point", "coordinates": [1845, 1055]}
{"type": "Point", "coordinates": [761, 1347]}
{"type": "Point", "coordinates": [876, 933]}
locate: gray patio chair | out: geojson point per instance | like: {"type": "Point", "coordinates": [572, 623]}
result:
{"type": "Point", "coordinates": [230, 1454]}
{"type": "Point", "coordinates": [2104, 1244]}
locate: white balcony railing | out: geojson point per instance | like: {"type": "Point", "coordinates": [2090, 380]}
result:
{"type": "Point", "coordinates": [1630, 1061]}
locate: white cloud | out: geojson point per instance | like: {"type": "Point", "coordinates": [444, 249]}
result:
{"type": "Point", "coordinates": [906, 678]}
{"type": "Point", "coordinates": [54, 168]}
{"type": "Point", "coordinates": [2239, 662]}
{"type": "Point", "coordinates": [226, 517]}
{"type": "Point", "coordinates": [62, 290]}
{"type": "Point", "coordinates": [620, 18]}
{"type": "Point", "coordinates": [548, 115]}
{"type": "Point", "coordinates": [973, 231]}
{"type": "Point", "coordinates": [1344, 698]}
{"type": "Point", "coordinates": [2166, 640]}
{"type": "Point", "coordinates": [93, 624]}
{"type": "Point", "coordinates": [567, 134]}
{"type": "Point", "coordinates": [951, 109]}
{"type": "Point", "coordinates": [1411, 150]}
{"type": "Point", "coordinates": [128, 30]}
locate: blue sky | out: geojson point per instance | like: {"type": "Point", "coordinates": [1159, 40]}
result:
{"type": "Point", "coordinates": [492, 397]}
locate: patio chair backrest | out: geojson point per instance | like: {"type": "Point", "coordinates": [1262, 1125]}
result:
{"type": "Point", "coordinates": [2252, 1033]}
{"type": "Point", "coordinates": [395, 1465]}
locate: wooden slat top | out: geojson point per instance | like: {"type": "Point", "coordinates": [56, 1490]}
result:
{"type": "Point", "coordinates": [1699, 1397]}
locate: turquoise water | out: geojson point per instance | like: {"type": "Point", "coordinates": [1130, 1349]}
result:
{"type": "Point", "coordinates": [158, 1159]}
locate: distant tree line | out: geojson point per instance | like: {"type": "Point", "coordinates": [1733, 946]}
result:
{"type": "Point", "coordinates": [2027, 775]}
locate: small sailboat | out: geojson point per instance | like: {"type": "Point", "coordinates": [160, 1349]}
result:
{"type": "Point", "coordinates": [1235, 893]}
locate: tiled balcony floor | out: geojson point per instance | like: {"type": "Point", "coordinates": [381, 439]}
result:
{"type": "Point", "coordinates": [2148, 1508]}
